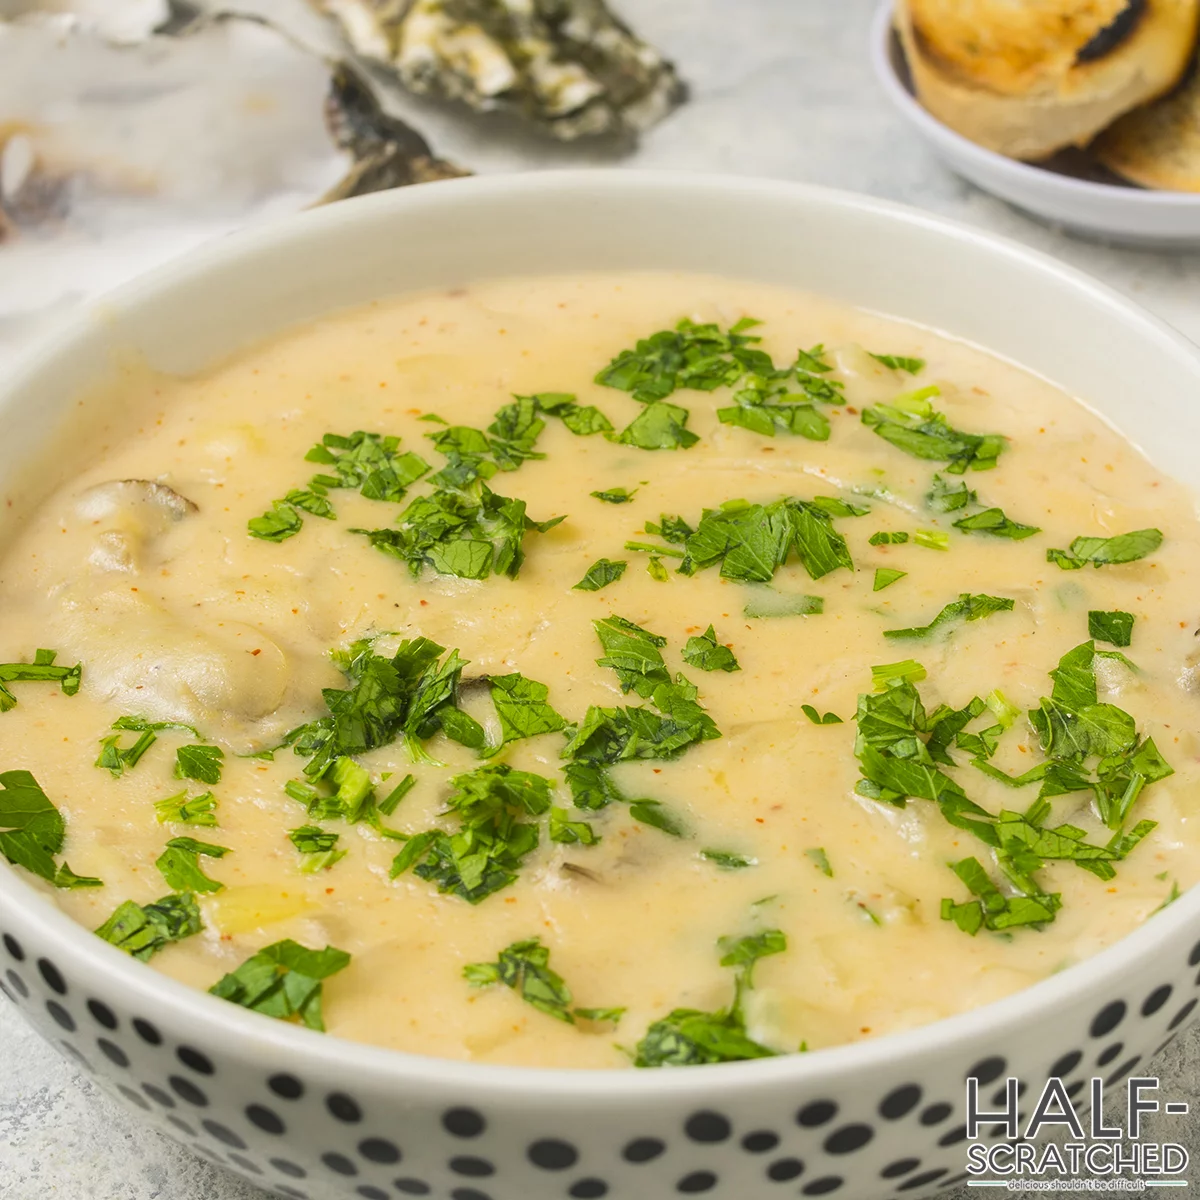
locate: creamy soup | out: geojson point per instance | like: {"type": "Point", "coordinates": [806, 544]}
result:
{"type": "Point", "coordinates": [735, 732]}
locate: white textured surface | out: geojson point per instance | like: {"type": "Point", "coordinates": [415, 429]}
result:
{"type": "Point", "coordinates": [781, 88]}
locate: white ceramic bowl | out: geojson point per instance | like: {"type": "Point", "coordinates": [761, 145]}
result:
{"type": "Point", "coordinates": [1112, 212]}
{"type": "Point", "coordinates": [311, 1116]}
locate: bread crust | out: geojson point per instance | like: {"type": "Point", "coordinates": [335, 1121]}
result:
{"type": "Point", "coordinates": [1026, 78]}
{"type": "Point", "coordinates": [1158, 146]}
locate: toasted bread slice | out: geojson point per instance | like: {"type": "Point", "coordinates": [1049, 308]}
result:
{"type": "Point", "coordinates": [1158, 146]}
{"type": "Point", "coordinates": [1028, 77]}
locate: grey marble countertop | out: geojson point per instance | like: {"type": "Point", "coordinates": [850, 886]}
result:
{"type": "Point", "coordinates": [781, 88]}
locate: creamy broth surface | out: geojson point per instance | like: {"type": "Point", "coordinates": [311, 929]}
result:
{"type": "Point", "coordinates": [193, 620]}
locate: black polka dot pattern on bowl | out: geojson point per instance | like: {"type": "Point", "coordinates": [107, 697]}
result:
{"type": "Point", "coordinates": [291, 1131]}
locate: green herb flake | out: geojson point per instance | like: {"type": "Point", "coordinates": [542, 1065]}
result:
{"type": "Point", "coordinates": [41, 670]}
{"type": "Point", "coordinates": [568, 832]}
{"type": "Point", "coordinates": [658, 816]}
{"type": "Point", "coordinates": [967, 607]}
{"type": "Point", "coordinates": [522, 707]}
{"type": "Point", "coordinates": [817, 719]}
{"type": "Point", "coordinates": [766, 603]}
{"type": "Point", "coordinates": [706, 653]}
{"type": "Point", "coordinates": [688, 1036]}
{"type": "Point", "coordinates": [1116, 628]}
{"type": "Point", "coordinates": [284, 980]}
{"type": "Point", "coordinates": [316, 847]}
{"type": "Point", "coordinates": [487, 851]}
{"type": "Point", "coordinates": [885, 577]}
{"type": "Point", "coordinates": [659, 426]}
{"type": "Point", "coordinates": [993, 521]}
{"type": "Point", "coordinates": [179, 865]}
{"type": "Point", "coordinates": [883, 538]}
{"type": "Point", "coordinates": [617, 495]}
{"type": "Point", "coordinates": [820, 860]}
{"type": "Point", "coordinates": [202, 763]}
{"type": "Point", "coordinates": [32, 831]}
{"type": "Point", "coordinates": [944, 497]}
{"type": "Point", "coordinates": [118, 760]}
{"type": "Point", "coordinates": [143, 930]}
{"type": "Point", "coordinates": [1102, 552]}
{"type": "Point", "coordinates": [932, 539]}
{"type": "Point", "coordinates": [524, 967]}
{"type": "Point", "coordinates": [900, 362]}
{"type": "Point", "coordinates": [185, 810]}
{"type": "Point", "coordinates": [389, 803]}
{"type": "Point", "coordinates": [910, 423]}
{"type": "Point", "coordinates": [907, 671]}
{"type": "Point", "coordinates": [727, 860]}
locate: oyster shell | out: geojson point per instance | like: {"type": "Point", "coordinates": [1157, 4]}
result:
{"type": "Point", "coordinates": [386, 152]}
{"type": "Point", "coordinates": [569, 66]}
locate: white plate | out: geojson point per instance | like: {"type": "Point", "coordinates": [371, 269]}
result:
{"type": "Point", "coordinates": [1114, 212]}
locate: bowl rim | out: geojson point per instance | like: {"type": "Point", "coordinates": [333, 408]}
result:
{"type": "Point", "coordinates": [1066, 187]}
{"type": "Point", "coordinates": [254, 1038]}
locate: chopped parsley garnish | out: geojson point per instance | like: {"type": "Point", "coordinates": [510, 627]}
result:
{"type": "Point", "coordinates": [486, 852]}
{"type": "Point", "coordinates": [995, 909]}
{"type": "Point", "coordinates": [202, 763]}
{"type": "Point", "coordinates": [946, 497]}
{"type": "Point", "coordinates": [617, 495]}
{"type": "Point", "coordinates": [658, 816]}
{"type": "Point", "coordinates": [689, 1036]}
{"type": "Point", "coordinates": [571, 833]}
{"type": "Point", "coordinates": [369, 462]}
{"type": "Point", "coordinates": [600, 574]}
{"type": "Point", "coordinates": [118, 760]}
{"type": "Point", "coordinates": [41, 670]}
{"type": "Point", "coordinates": [659, 426]}
{"type": "Point", "coordinates": [752, 541]}
{"type": "Point", "coordinates": [727, 860]}
{"type": "Point", "coordinates": [817, 719]}
{"type": "Point", "coordinates": [994, 522]}
{"type": "Point", "coordinates": [887, 539]}
{"type": "Point", "coordinates": [317, 848]}
{"type": "Point", "coordinates": [143, 930]}
{"type": "Point", "coordinates": [767, 603]}
{"type": "Point", "coordinates": [706, 653]}
{"type": "Point", "coordinates": [967, 607]}
{"type": "Point", "coordinates": [694, 356]}
{"type": "Point", "coordinates": [610, 735]}
{"type": "Point", "coordinates": [910, 423]}
{"type": "Point", "coordinates": [900, 362]}
{"type": "Point", "coordinates": [1116, 628]}
{"type": "Point", "coordinates": [142, 724]}
{"type": "Point", "coordinates": [405, 695]}
{"type": "Point", "coordinates": [583, 420]}
{"type": "Point", "coordinates": [885, 673]}
{"type": "Point", "coordinates": [389, 803]}
{"type": "Point", "coordinates": [932, 539]}
{"type": "Point", "coordinates": [885, 577]}
{"type": "Point", "coordinates": [283, 980]}
{"type": "Point", "coordinates": [32, 831]}
{"type": "Point", "coordinates": [195, 810]}
{"type": "Point", "coordinates": [522, 707]}
{"type": "Point", "coordinates": [525, 968]}
{"type": "Point", "coordinates": [820, 860]}
{"type": "Point", "coordinates": [180, 866]}
{"type": "Point", "coordinates": [1102, 552]}
{"type": "Point", "coordinates": [471, 533]}
{"type": "Point", "coordinates": [656, 570]}
{"type": "Point", "coordinates": [1074, 726]}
